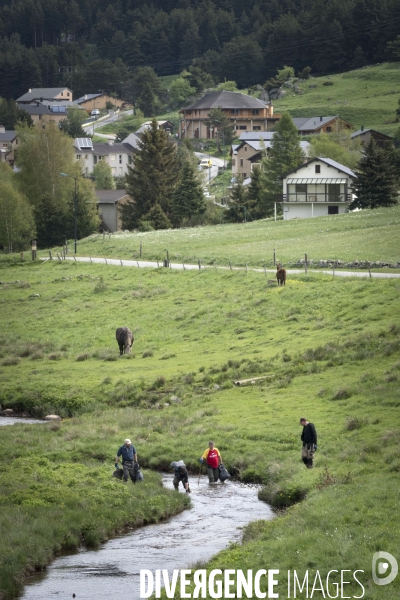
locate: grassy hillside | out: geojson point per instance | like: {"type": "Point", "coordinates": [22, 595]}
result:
{"type": "Point", "coordinates": [367, 96]}
{"type": "Point", "coordinates": [330, 349]}
{"type": "Point", "coordinates": [372, 235]}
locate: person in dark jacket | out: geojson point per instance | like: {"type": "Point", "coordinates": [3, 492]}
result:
{"type": "Point", "coordinates": [309, 439]}
{"type": "Point", "coordinates": [181, 475]}
{"type": "Point", "coordinates": [129, 460]}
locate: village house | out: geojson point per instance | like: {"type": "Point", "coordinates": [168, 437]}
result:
{"type": "Point", "coordinates": [117, 155]}
{"type": "Point", "coordinates": [364, 135]}
{"type": "Point", "coordinates": [8, 146]}
{"type": "Point", "coordinates": [250, 151]}
{"type": "Point", "coordinates": [244, 112]}
{"type": "Point", "coordinates": [39, 94]}
{"type": "Point", "coordinates": [109, 203]}
{"type": "Point", "coordinates": [92, 101]}
{"type": "Point", "coordinates": [316, 125]}
{"type": "Point", "coordinates": [317, 188]}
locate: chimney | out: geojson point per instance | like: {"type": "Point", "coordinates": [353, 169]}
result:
{"type": "Point", "coordinates": [321, 118]}
{"type": "Point", "coordinates": [85, 96]}
{"type": "Point", "coordinates": [362, 127]}
{"type": "Point", "coordinates": [30, 91]}
{"type": "Point", "coordinates": [2, 129]}
{"type": "Point", "coordinates": [110, 142]}
{"type": "Point", "coordinates": [41, 99]}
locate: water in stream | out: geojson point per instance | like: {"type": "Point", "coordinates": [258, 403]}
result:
{"type": "Point", "coordinates": [111, 573]}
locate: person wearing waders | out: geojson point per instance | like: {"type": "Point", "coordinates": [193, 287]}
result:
{"type": "Point", "coordinates": [309, 439]}
{"type": "Point", "coordinates": [181, 474]}
{"type": "Point", "coordinates": [129, 460]}
{"type": "Point", "coordinates": [213, 460]}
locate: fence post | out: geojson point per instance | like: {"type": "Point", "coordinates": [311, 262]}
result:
{"type": "Point", "coordinates": [137, 264]}
{"type": "Point", "coordinates": [199, 264]}
{"type": "Point", "coordinates": [274, 258]}
{"type": "Point", "coordinates": [158, 266]}
{"type": "Point", "coordinates": [246, 267]}
{"type": "Point", "coordinates": [230, 266]}
{"type": "Point", "coordinates": [121, 263]}
{"type": "Point", "coordinates": [105, 260]}
{"type": "Point", "coordinates": [333, 271]}
{"type": "Point", "coordinates": [90, 260]}
{"type": "Point", "coordinates": [74, 258]}
{"type": "Point", "coordinates": [305, 263]}
{"type": "Point", "coordinates": [50, 255]}
{"type": "Point", "coordinates": [265, 270]}
{"type": "Point", "coordinates": [140, 250]}
{"type": "Point", "coordinates": [183, 265]}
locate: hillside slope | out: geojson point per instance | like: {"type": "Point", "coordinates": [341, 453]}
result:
{"type": "Point", "coordinates": [367, 96]}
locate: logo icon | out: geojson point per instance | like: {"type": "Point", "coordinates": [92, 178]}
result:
{"type": "Point", "coordinates": [380, 566]}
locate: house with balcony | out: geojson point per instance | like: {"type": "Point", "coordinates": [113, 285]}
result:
{"type": "Point", "coordinates": [364, 135]}
{"type": "Point", "coordinates": [245, 113]}
{"type": "Point", "coordinates": [317, 188]}
{"type": "Point", "coordinates": [99, 100]}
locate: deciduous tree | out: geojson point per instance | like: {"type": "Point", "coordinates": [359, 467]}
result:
{"type": "Point", "coordinates": [17, 226]}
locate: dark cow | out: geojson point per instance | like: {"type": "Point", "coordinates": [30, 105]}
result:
{"type": "Point", "coordinates": [125, 339]}
{"type": "Point", "coordinates": [280, 275]}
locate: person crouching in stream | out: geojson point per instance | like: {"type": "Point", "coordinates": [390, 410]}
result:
{"type": "Point", "coordinates": [181, 475]}
{"type": "Point", "coordinates": [213, 460]}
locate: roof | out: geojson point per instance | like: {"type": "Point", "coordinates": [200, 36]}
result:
{"type": "Point", "coordinates": [8, 136]}
{"type": "Point", "coordinates": [83, 143]}
{"type": "Point", "coordinates": [109, 196]}
{"type": "Point", "coordinates": [362, 131]}
{"type": "Point", "coordinates": [105, 149]}
{"type": "Point", "coordinates": [45, 93]}
{"type": "Point", "coordinates": [133, 141]}
{"type": "Point", "coordinates": [304, 124]}
{"type": "Point", "coordinates": [88, 97]}
{"type": "Point", "coordinates": [256, 135]}
{"type": "Point", "coordinates": [328, 161]}
{"type": "Point", "coordinates": [34, 109]}
{"type": "Point", "coordinates": [225, 99]}
{"type": "Point", "coordinates": [261, 144]}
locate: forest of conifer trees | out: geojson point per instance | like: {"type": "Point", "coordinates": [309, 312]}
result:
{"type": "Point", "coordinates": [47, 43]}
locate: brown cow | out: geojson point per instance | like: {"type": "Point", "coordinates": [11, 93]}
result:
{"type": "Point", "coordinates": [125, 339]}
{"type": "Point", "coordinates": [280, 275]}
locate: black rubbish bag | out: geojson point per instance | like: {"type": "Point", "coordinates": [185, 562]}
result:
{"type": "Point", "coordinates": [138, 475]}
{"type": "Point", "coordinates": [118, 473]}
{"type": "Point", "coordinates": [223, 474]}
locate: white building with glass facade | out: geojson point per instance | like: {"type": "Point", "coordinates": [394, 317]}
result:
{"type": "Point", "coordinates": [317, 188]}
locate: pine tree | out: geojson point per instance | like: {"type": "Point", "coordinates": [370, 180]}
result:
{"type": "Point", "coordinates": [236, 213]}
{"type": "Point", "coordinates": [254, 193]}
{"type": "Point", "coordinates": [153, 177]}
{"type": "Point", "coordinates": [157, 218]}
{"type": "Point", "coordinates": [188, 199]}
{"type": "Point", "coordinates": [375, 185]}
{"type": "Point", "coordinates": [285, 155]}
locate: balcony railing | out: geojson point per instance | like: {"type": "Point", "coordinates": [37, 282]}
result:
{"type": "Point", "coordinates": [316, 198]}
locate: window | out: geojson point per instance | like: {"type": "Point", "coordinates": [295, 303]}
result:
{"type": "Point", "coordinates": [257, 128]}
{"type": "Point", "coordinates": [235, 111]}
{"type": "Point", "coordinates": [242, 126]}
{"type": "Point", "coordinates": [301, 188]}
{"type": "Point", "coordinates": [245, 148]}
{"type": "Point", "coordinates": [4, 145]}
{"type": "Point", "coordinates": [329, 130]}
{"type": "Point", "coordinates": [233, 162]}
{"type": "Point", "coordinates": [333, 210]}
{"type": "Point", "coordinates": [245, 175]}
{"type": "Point", "coordinates": [333, 193]}
{"type": "Point", "coordinates": [78, 157]}
{"type": "Point", "coordinates": [94, 160]}
{"type": "Point", "coordinates": [318, 168]}
{"type": "Point", "coordinates": [255, 111]}
{"type": "Point", "coordinates": [129, 159]}
{"type": "Point", "coordinates": [113, 156]}
{"type": "Point", "coordinates": [120, 159]}
{"type": "Point", "coordinates": [86, 156]}
{"type": "Point", "coordinates": [113, 171]}
{"type": "Point", "coordinates": [241, 162]}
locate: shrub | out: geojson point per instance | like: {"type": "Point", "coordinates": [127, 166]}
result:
{"type": "Point", "coordinates": [83, 356]}
{"type": "Point", "coordinates": [282, 497]}
{"type": "Point", "coordinates": [353, 423]}
{"type": "Point", "coordinates": [100, 286]}
{"type": "Point", "coordinates": [10, 361]}
{"type": "Point", "coordinates": [55, 356]}
{"type": "Point", "coordinates": [147, 353]}
{"type": "Point", "coordinates": [341, 394]}
{"type": "Point", "coordinates": [328, 83]}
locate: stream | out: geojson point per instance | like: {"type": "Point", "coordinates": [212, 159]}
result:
{"type": "Point", "coordinates": [186, 541]}
{"type": "Point", "coordinates": [112, 572]}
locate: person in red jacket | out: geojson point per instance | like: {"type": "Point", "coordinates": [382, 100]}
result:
{"type": "Point", "coordinates": [213, 459]}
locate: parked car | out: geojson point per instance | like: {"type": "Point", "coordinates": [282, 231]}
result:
{"type": "Point", "coordinates": [95, 112]}
{"type": "Point", "coordinates": [206, 163]}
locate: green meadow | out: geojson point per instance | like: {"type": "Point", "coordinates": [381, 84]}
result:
{"type": "Point", "coordinates": [368, 235]}
{"type": "Point", "coordinates": [367, 96]}
{"type": "Point", "coordinates": [327, 348]}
